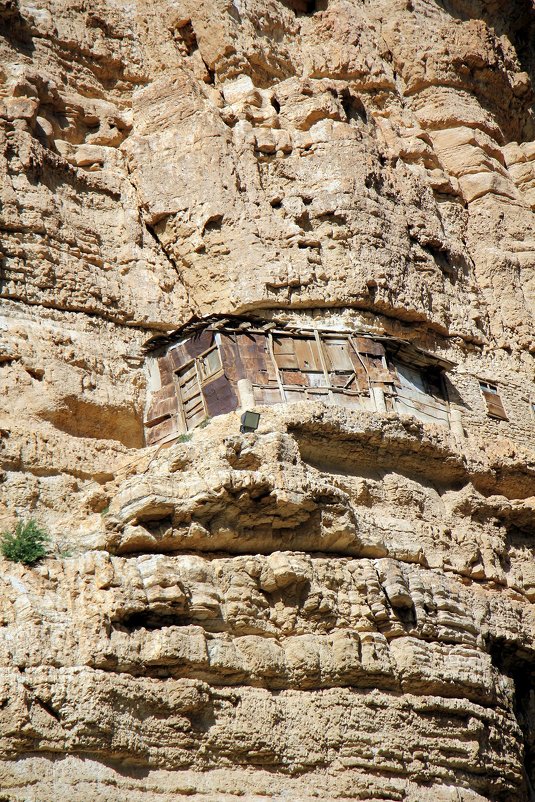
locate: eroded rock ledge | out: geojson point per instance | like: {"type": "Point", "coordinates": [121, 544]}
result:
{"type": "Point", "coordinates": [339, 607]}
{"type": "Point", "coordinates": [301, 611]}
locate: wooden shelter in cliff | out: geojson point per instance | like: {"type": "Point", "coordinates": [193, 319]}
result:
{"type": "Point", "coordinates": [219, 364]}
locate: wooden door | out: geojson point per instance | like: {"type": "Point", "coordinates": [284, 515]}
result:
{"type": "Point", "coordinates": [190, 394]}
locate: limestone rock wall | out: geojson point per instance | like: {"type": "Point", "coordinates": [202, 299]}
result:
{"type": "Point", "coordinates": [341, 605]}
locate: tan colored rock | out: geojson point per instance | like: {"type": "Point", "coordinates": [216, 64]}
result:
{"type": "Point", "coordinates": [339, 606]}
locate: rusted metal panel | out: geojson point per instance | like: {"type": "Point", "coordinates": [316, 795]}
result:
{"type": "Point", "coordinates": [198, 344]}
{"type": "Point", "coordinates": [264, 377]}
{"type": "Point", "coordinates": [365, 345]}
{"type": "Point", "coordinates": [293, 377]}
{"type": "Point", "coordinates": [168, 391]}
{"type": "Point", "coordinates": [160, 410]}
{"type": "Point", "coordinates": [345, 381]}
{"type": "Point", "coordinates": [166, 428]}
{"type": "Point", "coordinates": [259, 341]}
{"type": "Point", "coordinates": [231, 357]}
{"type": "Point", "coordinates": [163, 402]}
{"type": "Point", "coordinates": [180, 355]}
{"type": "Point", "coordinates": [283, 344]}
{"type": "Point", "coordinates": [367, 365]}
{"type": "Point", "coordinates": [376, 369]}
{"type": "Point", "coordinates": [219, 396]}
{"type": "Point", "coordinates": [254, 358]}
{"type": "Point", "coordinates": [166, 371]}
{"type": "Point", "coordinates": [255, 354]}
{"type": "Point", "coordinates": [286, 361]}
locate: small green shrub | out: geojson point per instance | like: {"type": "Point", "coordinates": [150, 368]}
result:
{"type": "Point", "coordinates": [27, 544]}
{"type": "Point", "coordinates": [184, 438]}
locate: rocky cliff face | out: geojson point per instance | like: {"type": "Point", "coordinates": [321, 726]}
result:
{"type": "Point", "coordinates": [339, 606]}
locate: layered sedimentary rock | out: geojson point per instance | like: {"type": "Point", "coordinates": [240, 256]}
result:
{"type": "Point", "coordinates": [339, 606]}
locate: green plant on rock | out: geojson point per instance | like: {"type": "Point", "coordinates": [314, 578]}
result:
{"type": "Point", "coordinates": [27, 544]}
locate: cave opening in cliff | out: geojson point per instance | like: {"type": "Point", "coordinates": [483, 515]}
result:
{"type": "Point", "coordinates": [519, 666]}
{"type": "Point", "coordinates": [305, 7]}
{"type": "Point", "coordinates": [152, 620]}
{"type": "Point", "coordinates": [353, 107]}
{"type": "Point", "coordinates": [185, 38]}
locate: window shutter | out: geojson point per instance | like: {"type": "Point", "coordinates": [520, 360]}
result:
{"type": "Point", "coordinates": [494, 405]}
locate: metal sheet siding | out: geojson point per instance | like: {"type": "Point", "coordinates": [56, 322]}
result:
{"type": "Point", "coordinates": [220, 396]}
{"type": "Point", "coordinates": [233, 366]}
{"type": "Point", "coordinates": [337, 368]}
{"type": "Point", "coordinates": [165, 428]}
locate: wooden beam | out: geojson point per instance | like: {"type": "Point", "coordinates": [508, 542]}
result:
{"type": "Point", "coordinates": [274, 362]}
{"type": "Point", "coordinates": [323, 363]}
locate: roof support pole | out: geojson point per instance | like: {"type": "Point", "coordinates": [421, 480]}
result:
{"type": "Point", "coordinates": [323, 363]}
{"type": "Point", "coordinates": [276, 367]}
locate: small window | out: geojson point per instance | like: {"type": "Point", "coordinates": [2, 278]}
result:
{"type": "Point", "coordinates": [426, 381]}
{"type": "Point", "coordinates": [210, 363]}
{"type": "Point", "coordinates": [492, 399]}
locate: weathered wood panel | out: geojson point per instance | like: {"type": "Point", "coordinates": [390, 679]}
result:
{"type": "Point", "coordinates": [337, 354]}
{"type": "Point", "coordinates": [307, 354]}
{"type": "Point", "coordinates": [329, 367]}
{"type": "Point", "coordinates": [284, 352]}
{"type": "Point", "coordinates": [347, 401]}
{"type": "Point", "coordinates": [495, 406]}
{"type": "Point", "coordinates": [295, 395]}
{"type": "Point", "coordinates": [266, 395]}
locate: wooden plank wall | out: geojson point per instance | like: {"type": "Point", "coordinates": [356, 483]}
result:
{"type": "Point", "coordinates": [285, 367]}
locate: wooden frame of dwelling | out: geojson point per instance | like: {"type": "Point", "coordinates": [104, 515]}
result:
{"type": "Point", "coordinates": [213, 366]}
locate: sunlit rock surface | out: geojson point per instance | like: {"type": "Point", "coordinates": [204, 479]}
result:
{"type": "Point", "coordinates": [340, 605]}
